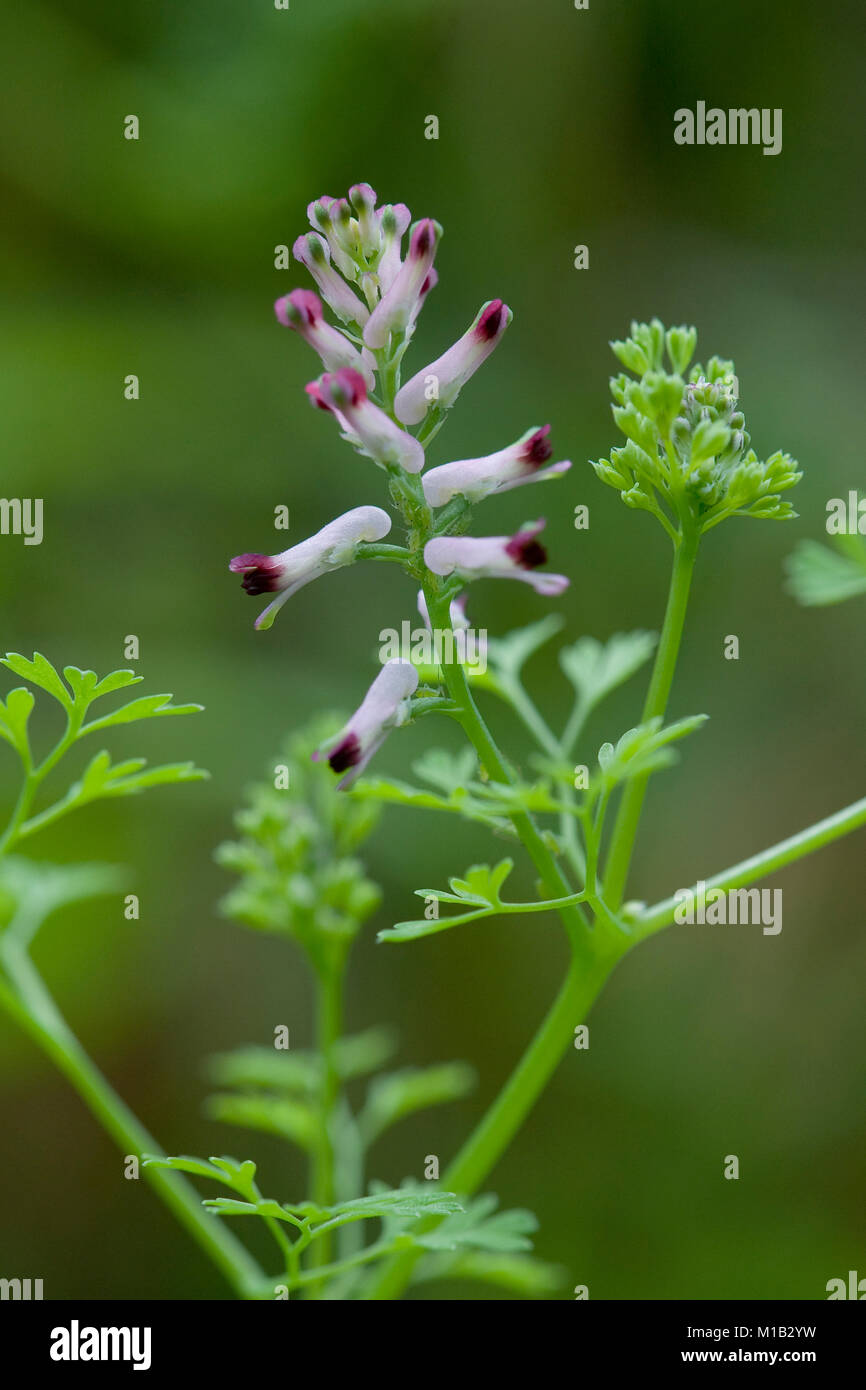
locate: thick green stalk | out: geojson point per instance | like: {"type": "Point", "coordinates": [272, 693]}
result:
{"type": "Point", "coordinates": [492, 1136]}
{"type": "Point", "coordinates": [491, 759]}
{"type": "Point", "coordinates": [628, 817]}
{"type": "Point", "coordinates": [37, 1014]}
{"type": "Point", "coordinates": [329, 1024]}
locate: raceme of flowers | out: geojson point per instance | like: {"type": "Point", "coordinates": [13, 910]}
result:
{"type": "Point", "coordinates": [355, 255]}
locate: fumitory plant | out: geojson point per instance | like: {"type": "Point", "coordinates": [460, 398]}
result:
{"type": "Point", "coordinates": [686, 458]}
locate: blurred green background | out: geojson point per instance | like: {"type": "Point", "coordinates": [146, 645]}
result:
{"type": "Point", "coordinates": [157, 258]}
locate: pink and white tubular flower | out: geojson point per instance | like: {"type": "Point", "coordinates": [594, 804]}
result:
{"type": "Point", "coordinates": [344, 393]}
{"type": "Point", "coordinates": [495, 557]}
{"type": "Point", "coordinates": [313, 252]}
{"type": "Point", "coordinates": [329, 549]}
{"type": "Point", "coordinates": [302, 311]}
{"type": "Point", "coordinates": [508, 468]}
{"type": "Point", "coordinates": [384, 707]}
{"type": "Point", "coordinates": [398, 307]}
{"type": "Point", "coordinates": [393, 221]}
{"type": "Point", "coordinates": [453, 369]}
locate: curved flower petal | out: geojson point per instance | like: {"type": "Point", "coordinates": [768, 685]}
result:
{"type": "Point", "coordinates": [321, 219]}
{"type": "Point", "coordinates": [450, 372]}
{"type": "Point", "coordinates": [329, 549]}
{"type": "Point", "coordinates": [385, 706]}
{"type": "Point", "coordinates": [313, 252]}
{"type": "Point", "coordinates": [345, 393]}
{"type": "Point", "coordinates": [495, 557]}
{"type": "Point", "coordinates": [393, 222]}
{"type": "Point", "coordinates": [474, 479]}
{"type": "Point", "coordinates": [302, 311]}
{"type": "Point", "coordinates": [398, 307]}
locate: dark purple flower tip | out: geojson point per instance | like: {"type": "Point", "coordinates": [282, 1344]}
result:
{"type": "Point", "coordinates": [342, 389]}
{"type": "Point", "coordinates": [538, 448]}
{"type": "Point", "coordinates": [298, 308]}
{"type": "Point", "coordinates": [346, 754]}
{"type": "Point", "coordinates": [261, 573]}
{"type": "Point", "coordinates": [314, 391]}
{"type": "Point", "coordinates": [423, 239]}
{"type": "Point", "coordinates": [525, 550]}
{"type": "Point", "coordinates": [430, 279]}
{"type": "Point", "coordinates": [490, 321]}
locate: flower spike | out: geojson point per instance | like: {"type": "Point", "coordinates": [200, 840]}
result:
{"type": "Point", "coordinates": [384, 707]}
{"type": "Point", "coordinates": [474, 479]}
{"type": "Point", "coordinates": [495, 557]}
{"type": "Point", "coordinates": [345, 393]}
{"type": "Point", "coordinates": [329, 549]}
{"type": "Point", "coordinates": [453, 369]}
{"type": "Point", "coordinates": [302, 311]}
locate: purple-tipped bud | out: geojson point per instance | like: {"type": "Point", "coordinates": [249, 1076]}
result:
{"type": "Point", "coordinates": [313, 252]}
{"type": "Point", "coordinates": [474, 479]}
{"type": "Point", "coordinates": [329, 549]}
{"type": "Point", "coordinates": [398, 307]}
{"type": "Point", "coordinates": [302, 311]}
{"type": "Point", "coordinates": [495, 557]}
{"type": "Point", "coordinates": [385, 706]}
{"type": "Point", "coordinates": [440, 383]}
{"type": "Point", "coordinates": [345, 393]}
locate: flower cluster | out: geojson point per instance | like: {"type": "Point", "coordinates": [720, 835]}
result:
{"type": "Point", "coordinates": [375, 290]}
{"type": "Point", "coordinates": [688, 457]}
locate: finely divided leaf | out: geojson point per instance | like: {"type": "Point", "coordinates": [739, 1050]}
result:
{"type": "Point", "coordinates": [483, 1228]}
{"type": "Point", "coordinates": [234, 1173]}
{"type": "Point", "coordinates": [644, 749]}
{"type": "Point", "coordinates": [13, 720]}
{"type": "Point", "coordinates": [818, 575]}
{"type": "Point", "coordinates": [289, 1119]}
{"type": "Point", "coordinates": [509, 654]}
{"type": "Point", "coordinates": [596, 668]}
{"type": "Point", "coordinates": [39, 672]}
{"type": "Point", "coordinates": [146, 707]}
{"type": "Point", "coordinates": [391, 1098]}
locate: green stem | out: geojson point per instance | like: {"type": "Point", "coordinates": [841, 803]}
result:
{"type": "Point", "coordinates": [594, 955]}
{"type": "Point", "coordinates": [37, 1014]}
{"type": "Point", "coordinates": [628, 817]}
{"type": "Point", "coordinates": [491, 1138]}
{"type": "Point", "coordinates": [759, 865]}
{"type": "Point", "coordinates": [492, 761]}
{"type": "Point", "coordinates": [329, 1024]}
